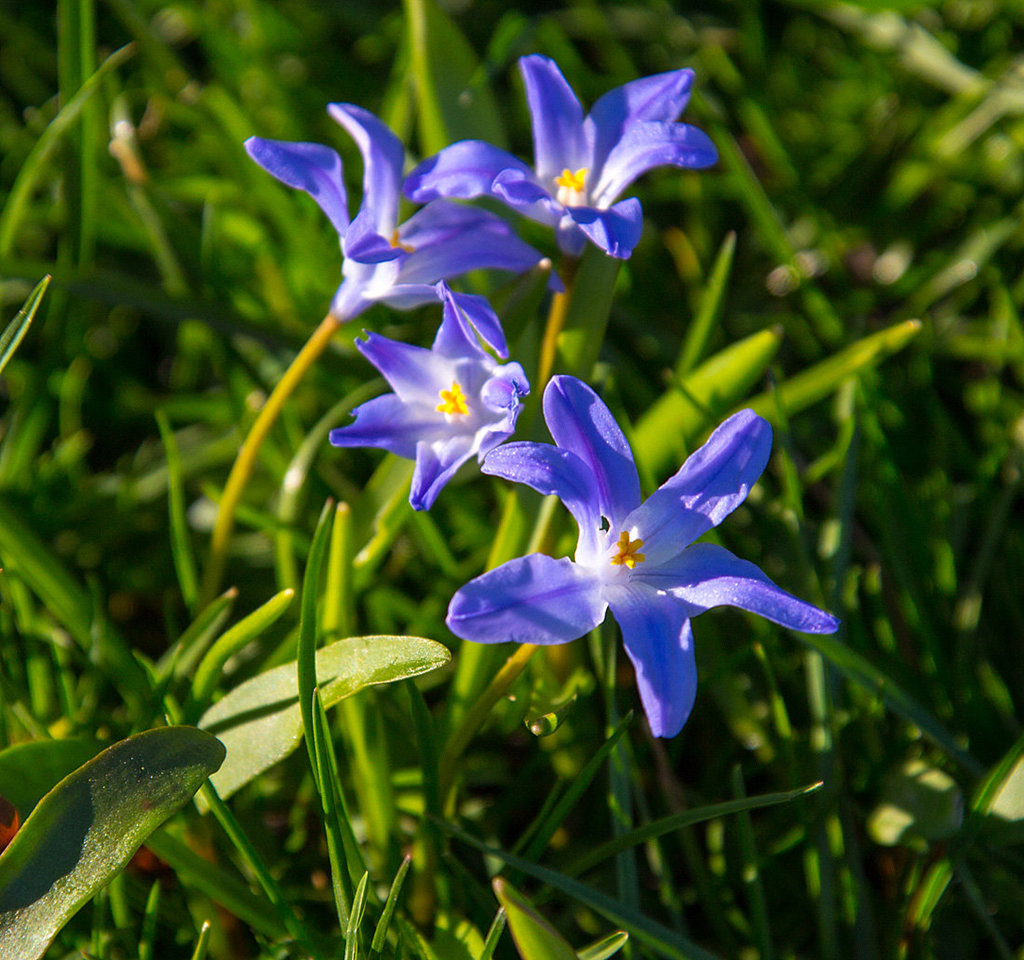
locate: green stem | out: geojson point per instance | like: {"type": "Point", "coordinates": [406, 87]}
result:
{"type": "Point", "coordinates": [246, 459]}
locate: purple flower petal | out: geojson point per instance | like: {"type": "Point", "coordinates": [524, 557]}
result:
{"type": "Point", "coordinates": [412, 372]}
{"type": "Point", "coordinates": [389, 423]}
{"type": "Point", "coordinates": [436, 463]}
{"type": "Point", "coordinates": [306, 166]}
{"type": "Point", "coordinates": [551, 470]}
{"type": "Point", "coordinates": [464, 170]}
{"type": "Point", "coordinates": [616, 230]}
{"type": "Point", "coordinates": [648, 145]}
{"type": "Point", "coordinates": [661, 97]}
{"type": "Point", "coordinates": [475, 316]}
{"type": "Point", "coordinates": [706, 575]}
{"type": "Point", "coordinates": [524, 195]}
{"type": "Point", "coordinates": [533, 599]}
{"type": "Point", "coordinates": [657, 636]}
{"type": "Point", "coordinates": [557, 117]}
{"type": "Point", "coordinates": [383, 157]}
{"type": "Point", "coordinates": [448, 240]}
{"type": "Point", "coordinates": [366, 246]}
{"type": "Point", "coordinates": [713, 482]}
{"type": "Point", "coordinates": [502, 393]}
{"type": "Point", "coordinates": [581, 423]}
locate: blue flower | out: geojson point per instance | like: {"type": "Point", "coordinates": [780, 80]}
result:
{"type": "Point", "coordinates": [582, 163]}
{"type": "Point", "coordinates": [384, 260]}
{"type": "Point", "coordinates": [639, 558]}
{"type": "Point", "coordinates": [449, 402]}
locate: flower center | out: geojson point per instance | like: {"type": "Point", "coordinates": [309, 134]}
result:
{"type": "Point", "coordinates": [453, 401]}
{"type": "Point", "coordinates": [398, 245]}
{"type": "Point", "coordinates": [626, 552]}
{"type": "Point", "coordinates": [571, 186]}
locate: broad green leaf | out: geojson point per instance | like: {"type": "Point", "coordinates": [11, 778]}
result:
{"type": "Point", "coordinates": [259, 722]}
{"type": "Point", "coordinates": [84, 831]}
{"type": "Point", "coordinates": [535, 938]}
{"type": "Point", "coordinates": [702, 396]}
{"type": "Point", "coordinates": [452, 96]}
{"type": "Point", "coordinates": [18, 327]}
{"type": "Point", "coordinates": [30, 770]}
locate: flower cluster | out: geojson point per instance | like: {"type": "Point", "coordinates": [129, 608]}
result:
{"type": "Point", "coordinates": [455, 401]}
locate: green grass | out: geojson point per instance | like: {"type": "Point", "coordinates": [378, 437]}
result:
{"type": "Point", "coordinates": [851, 268]}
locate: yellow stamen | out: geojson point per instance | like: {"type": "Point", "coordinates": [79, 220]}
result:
{"type": "Point", "coordinates": [453, 401]}
{"type": "Point", "coordinates": [627, 555]}
{"type": "Point", "coordinates": [398, 245]}
{"type": "Point", "coordinates": [573, 181]}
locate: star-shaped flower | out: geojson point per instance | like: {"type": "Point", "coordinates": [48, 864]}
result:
{"type": "Point", "coordinates": [384, 260]}
{"type": "Point", "coordinates": [582, 163]}
{"type": "Point", "coordinates": [639, 558]}
{"type": "Point", "coordinates": [450, 402]}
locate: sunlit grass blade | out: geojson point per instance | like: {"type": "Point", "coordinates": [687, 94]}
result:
{"type": "Point", "coordinates": [342, 849]}
{"type": "Point", "coordinates": [494, 933]}
{"type": "Point", "coordinates": [710, 308]}
{"type": "Point", "coordinates": [452, 97]}
{"type": "Point", "coordinates": [352, 949]}
{"type": "Point", "coordinates": [687, 818]}
{"type": "Point", "coordinates": [18, 327]}
{"type": "Point", "coordinates": [798, 392]}
{"type": "Point", "coordinates": [686, 408]}
{"type": "Point", "coordinates": [535, 938]}
{"type": "Point", "coordinates": [84, 831]}
{"type": "Point", "coordinates": [202, 941]}
{"type": "Point", "coordinates": [605, 947]}
{"type": "Point", "coordinates": [383, 924]}
{"type": "Point", "coordinates": [181, 657]}
{"type": "Point", "coordinates": [308, 627]}
{"type": "Point", "coordinates": [204, 680]}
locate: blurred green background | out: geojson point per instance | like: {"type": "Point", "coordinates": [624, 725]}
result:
{"type": "Point", "coordinates": [871, 171]}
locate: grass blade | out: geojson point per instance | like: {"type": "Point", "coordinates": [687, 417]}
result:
{"type": "Point", "coordinates": [18, 327]}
